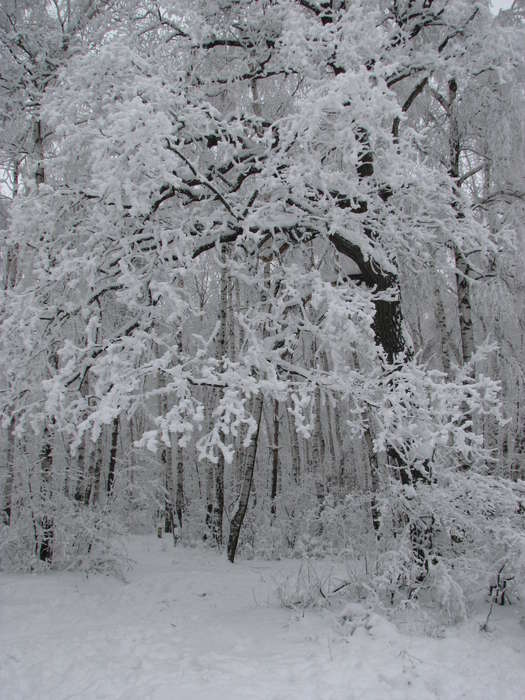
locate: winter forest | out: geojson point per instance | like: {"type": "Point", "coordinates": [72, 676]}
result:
{"type": "Point", "coordinates": [262, 286]}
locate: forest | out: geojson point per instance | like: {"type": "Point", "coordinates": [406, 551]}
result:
{"type": "Point", "coordinates": [262, 285]}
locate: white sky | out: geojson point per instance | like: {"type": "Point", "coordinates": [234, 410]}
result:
{"type": "Point", "coordinates": [500, 5]}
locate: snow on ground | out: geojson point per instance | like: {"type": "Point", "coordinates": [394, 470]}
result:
{"type": "Point", "coordinates": [190, 626]}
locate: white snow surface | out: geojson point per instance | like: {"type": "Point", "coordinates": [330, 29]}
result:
{"type": "Point", "coordinates": [187, 625]}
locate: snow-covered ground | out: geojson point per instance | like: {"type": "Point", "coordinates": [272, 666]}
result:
{"type": "Point", "coordinates": [189, 626]}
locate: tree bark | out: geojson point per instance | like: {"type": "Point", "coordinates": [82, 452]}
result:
{"type": "Point", "coordinates": [388, 331]}
{"type": "Point", "coordinates": [294, 449]}
{"type": "Point", "coordinates": [10, 465]}
{"type": "Point", "coordinates": [39, 153]}
{"type": "Point", "coordinates": [179, 494]}
{"type": "Point", "coordinates": [318, 450]}
{"type": "Point", "coordinates": [221, 352]}
{"type": "Point", "coordinates": [97, 470]}
{"type": "Point", "coordinates": [112, 455]}
{"type": "Point", "coordinates": [441, 322]}
{"type": "Point", "coordinates": [246, 485]}
{"type": "Point", "coordinates": [275, 456]}
{"type": "Point", "coordinates": [388, 317]}
{"type": "Point", "coordinates": [374, 479]}
{"type": "Point", "coordinates": [463, 271]}
{"type": "Point", "coordinates": [210, 485]}
{"type": "Point", "coordinates": [464, 307]}
{"type": "Point", "coordinates": [45, 545]}
{"type": "Point", "coordinates": [80, 484]}
{"type": "Point", "coordinates": [166, 464]}
{"type": "Point", "coordinates": [218, 503]}
{"type": "Point", "coordinates": [10, 279]}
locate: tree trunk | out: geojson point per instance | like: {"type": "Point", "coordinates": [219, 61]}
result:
{"type": "Point", "coordinates": [11, 267]}
{"type": "Point", "coordinates": [462, 268]}
{"type": "Point", "coordinates": [318, 450]}
{"type": "Point", "coordinates": [341, 476]}
{"type": "Point", "coordinates": [97, 470]}
{"type": "Point", "coordinates": [374, 480]}
{"type": "Point", "coordinates": [179, 495]}
{"type": "Point", "coordinates": [39, 153]}
{"type": "Point", "coordinates": [464, 307]}
{"type": "Point", "coordinates": [210, 485]}
{"type": "Point", "coordinates": [275, 456]}
{"type": "Point", "coordinates": [169, 501]}
{"type": "Point", "coordinates": [45, 552]}
{"type": "Point", "coordinates": [294, 448]}
{"type": "Point", "coordinates": [218, 504]}
{"type": "Point", "coordinates": [80, 485]}
{"type": "Point", "coordinates": [166, 464]}
{"type": "Point", "coordinates": [10, 466]}
{"type": "Point", "coordinates": [388, 318]}
{"type": "Point", "coordinates": [246, 485]}
{"type": "Point", "coordinates": [112, 455]}
{"type": "Point", "coordinates": [462, 276]}
{"type": "Point", "coordinates": [441, 322]}
{"type": "Point", "coordinates": [388, 331]}
{"type": "Point", "coordinates": [221, 353]}
{"type": "Point", "coordinates": [331, 415]}
{"type": "Point", "coordinates": [45, 545]}
{"type": "Point", "coordinates": [10, 278]}
{"type": "Point", "coordinates": [331, 463]}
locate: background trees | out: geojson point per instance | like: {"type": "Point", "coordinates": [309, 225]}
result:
{"type": "Point", "coordinates": [228, 215]}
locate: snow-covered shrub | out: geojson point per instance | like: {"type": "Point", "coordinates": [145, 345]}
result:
{"type": "Point", "coordinates": [286, 527]}
{"type": "Point", "coordinates": [445, 519]}
{"type": "Point", "coordinates": [443, 593]}
{"type": "Point", "coordinates": [355, 616]}
{"type": "Point", "coordinates": [305, 589]}
{"type": "Point", "coordinates": [300, 526]}
{"type": "Point", "coordinates": [83, 538]}
{"type": "Point", "coordinates": [89, 539]}
{"type": "Point", "coordinates": [473, 525]}
{"type": "Point", "coordinates": [17, 547]}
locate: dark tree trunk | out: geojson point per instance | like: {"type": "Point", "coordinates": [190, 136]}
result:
{"type": "Point", "coordinates": [388, 331]}
{"type": "Point", "coordinates": [80, 484]}
{"type": "Point", "coordinates": [10, 278]}
{"type": "Point", "coordinates": [275, 456]}
{"type": "Point", "coordinates": [10, 464]}
{"type": "Point", "coordinates": [218, 503]}
{"type": "Point", "coordinates": [97, 470]}
{"type": "Point", "coordinates": [374, 481]}
{"type": "Point", "coordinates": [88, 486]}
{"type": "Point", "coordinates": [179, 457]}
{"type": "Point", "coordinates": [166, 460]}
{"type": "Point", "coordinates": [40, 176]}
{"type": "Point", "coordinates": [221, 352]}
{"type": "Point", "coordinates": [179, 495]}
{"type": "Point", "coordinates": [45, 545]}
{"type": "Point", "coordinates": [388, 319]}
{"type": "Point", "coordinates": [169, 507]}
{"type": "Point", "coordinates": [112, 455]}
{"type": "Point", "coordinates": [246, 485]}
{"type": "Point", "coordinates": [294, 449]}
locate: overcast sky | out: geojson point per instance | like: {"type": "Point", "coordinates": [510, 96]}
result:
{"type": "Point", "coordinates": [501, 4]}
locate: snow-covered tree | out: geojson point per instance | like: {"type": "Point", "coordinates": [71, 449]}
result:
{"type": "Point", "coordinates": [240, 201]}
